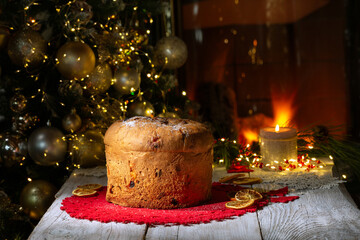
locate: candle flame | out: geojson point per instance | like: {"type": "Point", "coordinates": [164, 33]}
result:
{"type": "Point", "coordinates": [277, 128]}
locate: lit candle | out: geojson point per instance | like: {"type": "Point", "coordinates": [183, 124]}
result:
{"type": "Point", "coordinates": [276, 145]}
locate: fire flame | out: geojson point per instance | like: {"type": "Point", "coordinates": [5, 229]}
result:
{"type": "Point", "coordinates": [283, 108]}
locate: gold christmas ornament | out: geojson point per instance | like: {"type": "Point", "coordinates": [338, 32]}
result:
{"type": "Point", "coordinates": [127, 81]}
{"type": "Point", "coordinates": [47, 146]}
{"type": "Point", "coordinates": [36, 198]}
{"type": "Point", "coordinates": [170, 52]}
{"type": "Point", "coordinates": [18, 103]}
{"type": "Point", "coordinates": [71, 122]}
{"type": "Point", "coordinates": [87, 149]}
{"type": "Point", "coordinates": [141, 108]}
{"type": "Point", "coordinates": [13, 148]}
{"type": "Point", "coordinates": [27, 48]}
{"type": "Point", "coordinates": [75, 60]}
{"type": "Point", "coordinates": [99, 80]}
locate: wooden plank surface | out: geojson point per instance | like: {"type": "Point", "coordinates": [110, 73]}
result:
{"type": "Point", "coordinates": [244, 227]}
{"type": "Point", "coordinates": [57, 224]}
{"type": "Point", "coordinates": [318, 214]}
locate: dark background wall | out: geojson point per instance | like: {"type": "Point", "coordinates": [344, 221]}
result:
{"type": "Point", "coordinates": [304, 58]}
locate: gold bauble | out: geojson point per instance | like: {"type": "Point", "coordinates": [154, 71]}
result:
{"type": "Point", "coordinates": [18, 102]}
{"type": "Point", "coordinates": [99, 80]}
{"type": "Point", "coordinates": [75, 60]}
{"type": "Point", "coordinates": [88, 149]}
{"type": "Point", "coordinates": [13, 148]}
{"type": "Point", "coordinates": [27, 48]}
{"type": "Point", "coordinates": [36, 198]}
{"type": "Point", "coordinates": [47, 146]}
{"type": "Point", "coordinates": [170, 52]}
{"type": "Point", "coordinates": [127, 81]}
{"type": "Point", "coordinates": [71, 122]}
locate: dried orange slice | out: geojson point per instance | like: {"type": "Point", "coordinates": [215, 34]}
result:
{"type": "Point", "coordinates": [231, 177]}
{"type": "Point", "coordinates": [93, 186]}
{"type": "Point", "coordinates": [247, 181]}
{"type": "Point", "coordinates": [240, 204]}
{"type": "Point", "coordinates": [80, 192]}
{"type": "Point", "coordinates": [246, 194]}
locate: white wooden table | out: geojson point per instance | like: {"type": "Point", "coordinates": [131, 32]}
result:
{"type": "Point", "coordinates": [318, 214]}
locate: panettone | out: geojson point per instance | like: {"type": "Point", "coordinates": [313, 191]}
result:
{"type": "Point", "coordinates": [159, 163]}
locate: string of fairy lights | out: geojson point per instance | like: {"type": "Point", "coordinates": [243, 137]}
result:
{"type": "Point", "coordinates": [129, 45]}
{"type": "Point", "coordinates": [247, 157]}
{"type": "Point", "coordinates": [115, 43]}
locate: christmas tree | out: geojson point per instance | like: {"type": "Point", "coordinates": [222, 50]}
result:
{"type": "Point", "coordinates": [69, 69]}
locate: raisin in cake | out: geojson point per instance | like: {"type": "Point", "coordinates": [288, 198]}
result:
{"type": "Point", "coordinates": [159, 163]}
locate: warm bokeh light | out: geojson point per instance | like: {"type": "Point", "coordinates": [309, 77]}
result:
{"type": "Point", "coordinates": [250, 135]}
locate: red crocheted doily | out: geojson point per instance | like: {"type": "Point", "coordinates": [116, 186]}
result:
{"type": "Point", "coordinates": [97, 208]}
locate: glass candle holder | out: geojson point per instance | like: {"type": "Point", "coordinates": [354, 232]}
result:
{"type": "Point", "coordinates": [277, 145]}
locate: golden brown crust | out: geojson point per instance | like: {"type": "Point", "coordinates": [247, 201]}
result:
{"type": "Point", "coordinates": [159, 134]}
{"type": "Point", "coordinates": [158, 163]}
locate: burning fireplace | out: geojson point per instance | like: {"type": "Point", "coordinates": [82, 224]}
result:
{"type": "Point", "coordinates": [259, 63]}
